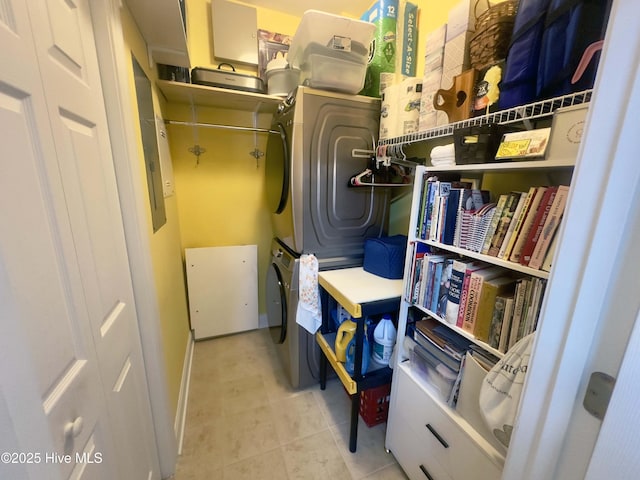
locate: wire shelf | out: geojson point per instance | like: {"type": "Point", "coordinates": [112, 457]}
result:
{"type": "Point", "coordinates": [531, 111]}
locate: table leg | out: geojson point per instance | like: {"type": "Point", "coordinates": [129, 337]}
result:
{"type": "Point", "coordinates": [353, 433]}
{"type": "Point", "coordinates": [323, 371]}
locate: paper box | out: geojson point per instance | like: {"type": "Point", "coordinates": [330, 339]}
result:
{"type": "Point", "coordinates": [434, 61]}
{"type": "Point", "coordinates": [462, 17]}
{"type": "Point", "coordinates": [456, 58]}
{"type": "Point", "coordinates": [567, 127]}
{"type": "Point", "coordinates": [436, 39]}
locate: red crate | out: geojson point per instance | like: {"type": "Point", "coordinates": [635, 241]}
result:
{"type": "Point", "coordinates": [374, 404]}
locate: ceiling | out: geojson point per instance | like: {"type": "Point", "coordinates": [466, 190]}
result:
{"type": "Point", "coordinates": [352, 8]}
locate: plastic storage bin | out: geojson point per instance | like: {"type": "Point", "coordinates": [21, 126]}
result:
{"type": "Point", "coordinates": [374, 404]}
{"type": "Point", "coordinates": [437, 374]}
{"type": "Point", "coordinates": [331, 51]}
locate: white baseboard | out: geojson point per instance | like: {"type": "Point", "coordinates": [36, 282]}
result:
{"type": "Point", "coordinates": [181, 411]}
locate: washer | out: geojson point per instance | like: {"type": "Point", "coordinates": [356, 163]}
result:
{"type": "Point", "coordinates": [320, 140]}
{"type": "Point", "coordinates": [298, 350]}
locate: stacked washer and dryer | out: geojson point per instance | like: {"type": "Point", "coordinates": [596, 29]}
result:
{"type": "Point", "coordinates": [309, 163]}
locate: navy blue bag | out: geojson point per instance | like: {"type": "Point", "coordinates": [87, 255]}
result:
{"type": "Point", "coordinates": [571, 27]}
{"type": "Point", "coordinates": [548, 43]}
{"type": "Point", "coordinates": [519, 82]}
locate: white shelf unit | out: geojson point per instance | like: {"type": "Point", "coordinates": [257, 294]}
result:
{"type": "Point", "coordinates": [415, 460]}
{"type": "Point", "coordinates": [204, 96]}
{"type": "Point", "coordinates": [161, 23]}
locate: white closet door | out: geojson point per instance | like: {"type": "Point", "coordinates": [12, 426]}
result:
{"type": "Point", "coordinates": [62, 247]}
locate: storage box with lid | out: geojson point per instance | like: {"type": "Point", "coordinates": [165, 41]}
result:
{"type": "Point", "coordinates": [331, 51]}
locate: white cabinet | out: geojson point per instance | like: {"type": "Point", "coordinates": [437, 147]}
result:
{"type": "Point", "coordinates": [429, 438]}
{"type": "Point", "coordinates": [162, 24]}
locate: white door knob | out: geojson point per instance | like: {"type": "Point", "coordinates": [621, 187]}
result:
{"type": "Point", "coordinates": [73, 429]}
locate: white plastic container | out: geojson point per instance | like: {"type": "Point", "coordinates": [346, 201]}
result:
{"type": "Point", "coordinates": [331, 51]}
{"type": "Point", "coordinates": [281, 78]}
{"type": "Point", "coordinates": [384, 337]}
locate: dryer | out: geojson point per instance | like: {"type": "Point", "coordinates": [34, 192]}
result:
{"type": "Point", "coordinates": [320, 143]}
{"type": "Point", "coordinates": [297, 348]}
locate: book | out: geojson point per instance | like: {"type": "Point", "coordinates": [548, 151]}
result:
{"type": "Point", "coordinates": [520, 292]}
{"type": "Point", "coordinates": [443, 290]}
{"type": "Point", "coordinates": [480, 223]}
{"type": "Point", "coordinates": [526, 225]}
{"type": "Point", "coordinates": [538, 223]}
{"type": "Point", "coordinates": [550, 227]}
{"type": "Point", "coordinates": [477, 279]}
{"type": "Point", "coordinates": [437, 279]}
{"type": "Point", "coordinates": [504, 222]}
{"type": "Point", "coordinates": [424, 192]}
{"type": "Point", "coordinates": [516, 223]}
{"type": "Point", "coordinates": [419, 251]}
{"type": "Point", "coordinates": [502, 200]}
{"type": "Point", "coordinates": [464, 292]}
{"type": "Point", "coordinates": [458, 271]}
{"type": "Point", "coordinates": [497, 318]}
{"type": "Point", "coordinates": [431, 263]}
{"type": "Point", "coordinates": [441, 191]}
{"type": "Point", "coordinates": [450, 215]}
{"type": "Point", "coordinates": [489, 292]}
{"type": "Point", "coordinates": [471, 200]}
{"type": "Point", "coordinates": [548, 258]}
{"type": "Point", "coordinates": [506, 324]}
{"type": "Point", "coordinates": [428, 211]}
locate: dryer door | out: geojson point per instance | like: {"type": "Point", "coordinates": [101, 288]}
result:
{"type": "Point", "coordinates": [277, 169]}
{"type": "Point", "coordinates": [276, 304]}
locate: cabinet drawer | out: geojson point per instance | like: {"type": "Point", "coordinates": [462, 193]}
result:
{"type": "Point", "coordinates": [417, 460]}
{"type": "Point", "coordinates": [438, 432]}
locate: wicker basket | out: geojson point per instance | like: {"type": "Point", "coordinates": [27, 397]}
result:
{"type": "Point", "coordinates": [493, 34]}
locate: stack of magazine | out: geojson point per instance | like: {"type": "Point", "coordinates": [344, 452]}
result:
{"type": "Point", "coordinates": [442, 349]}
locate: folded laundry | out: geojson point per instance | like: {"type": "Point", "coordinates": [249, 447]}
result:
{"type": "Point", "coordinates": [443, 151]}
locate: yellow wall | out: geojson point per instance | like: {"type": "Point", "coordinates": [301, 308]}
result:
{"type": "Point", "coordinates": [165, 244]}
{"type": "Point", "coordinates": [221, 199]}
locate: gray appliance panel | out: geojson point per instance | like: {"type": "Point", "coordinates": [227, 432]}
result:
{"type": "Point", "coordinates": [330, 218]}
{"type": "Point", "coordinates": [299, 352]}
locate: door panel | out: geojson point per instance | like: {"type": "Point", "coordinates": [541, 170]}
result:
{"type": "Point", "coordinates": [62, 246]}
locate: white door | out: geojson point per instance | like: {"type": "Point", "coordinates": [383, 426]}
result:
{"type": "Point", "coordinates": [62, 248]}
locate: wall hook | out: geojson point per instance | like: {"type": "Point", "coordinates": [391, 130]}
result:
{"type": "Point", "coordinates": [197, 150]}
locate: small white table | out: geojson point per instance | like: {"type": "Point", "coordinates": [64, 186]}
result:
{"type": "Point", "coordinates": [362, 294]}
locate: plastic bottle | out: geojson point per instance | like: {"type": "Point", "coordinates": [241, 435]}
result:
{"type": "Point", "coordinates": [351, 355]}
{"type": "Point", "coordinates": [346, 331]}
{"type": "Point", "coordinates": [384, 337]}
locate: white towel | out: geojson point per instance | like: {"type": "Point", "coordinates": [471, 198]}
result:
{"type": "Point", "coordinates": [309, 315]}
{"type": "Point", "coordinates": [443, 151]}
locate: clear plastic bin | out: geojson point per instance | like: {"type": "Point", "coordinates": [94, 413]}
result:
{"type": "Point", "coordinates": [437, 374]}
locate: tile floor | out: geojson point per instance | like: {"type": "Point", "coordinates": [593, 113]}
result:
{"type": "Point", "coordinates": [244, 421]}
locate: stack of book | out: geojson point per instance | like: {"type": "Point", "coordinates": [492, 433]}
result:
{"type": "Point", "coordinates": [441, 207]}
{"type": "Point", "coordinates": [519, 227]}
{"type": "Point", "coordinates": [515, 314]}
{"type": "Point", "coordinates": [430, 279]}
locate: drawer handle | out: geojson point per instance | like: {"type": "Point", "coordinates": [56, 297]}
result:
{"type": "Point", "coordinates": [426, 472]}
{"type": "Point", "coordinates": [437, 435]}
